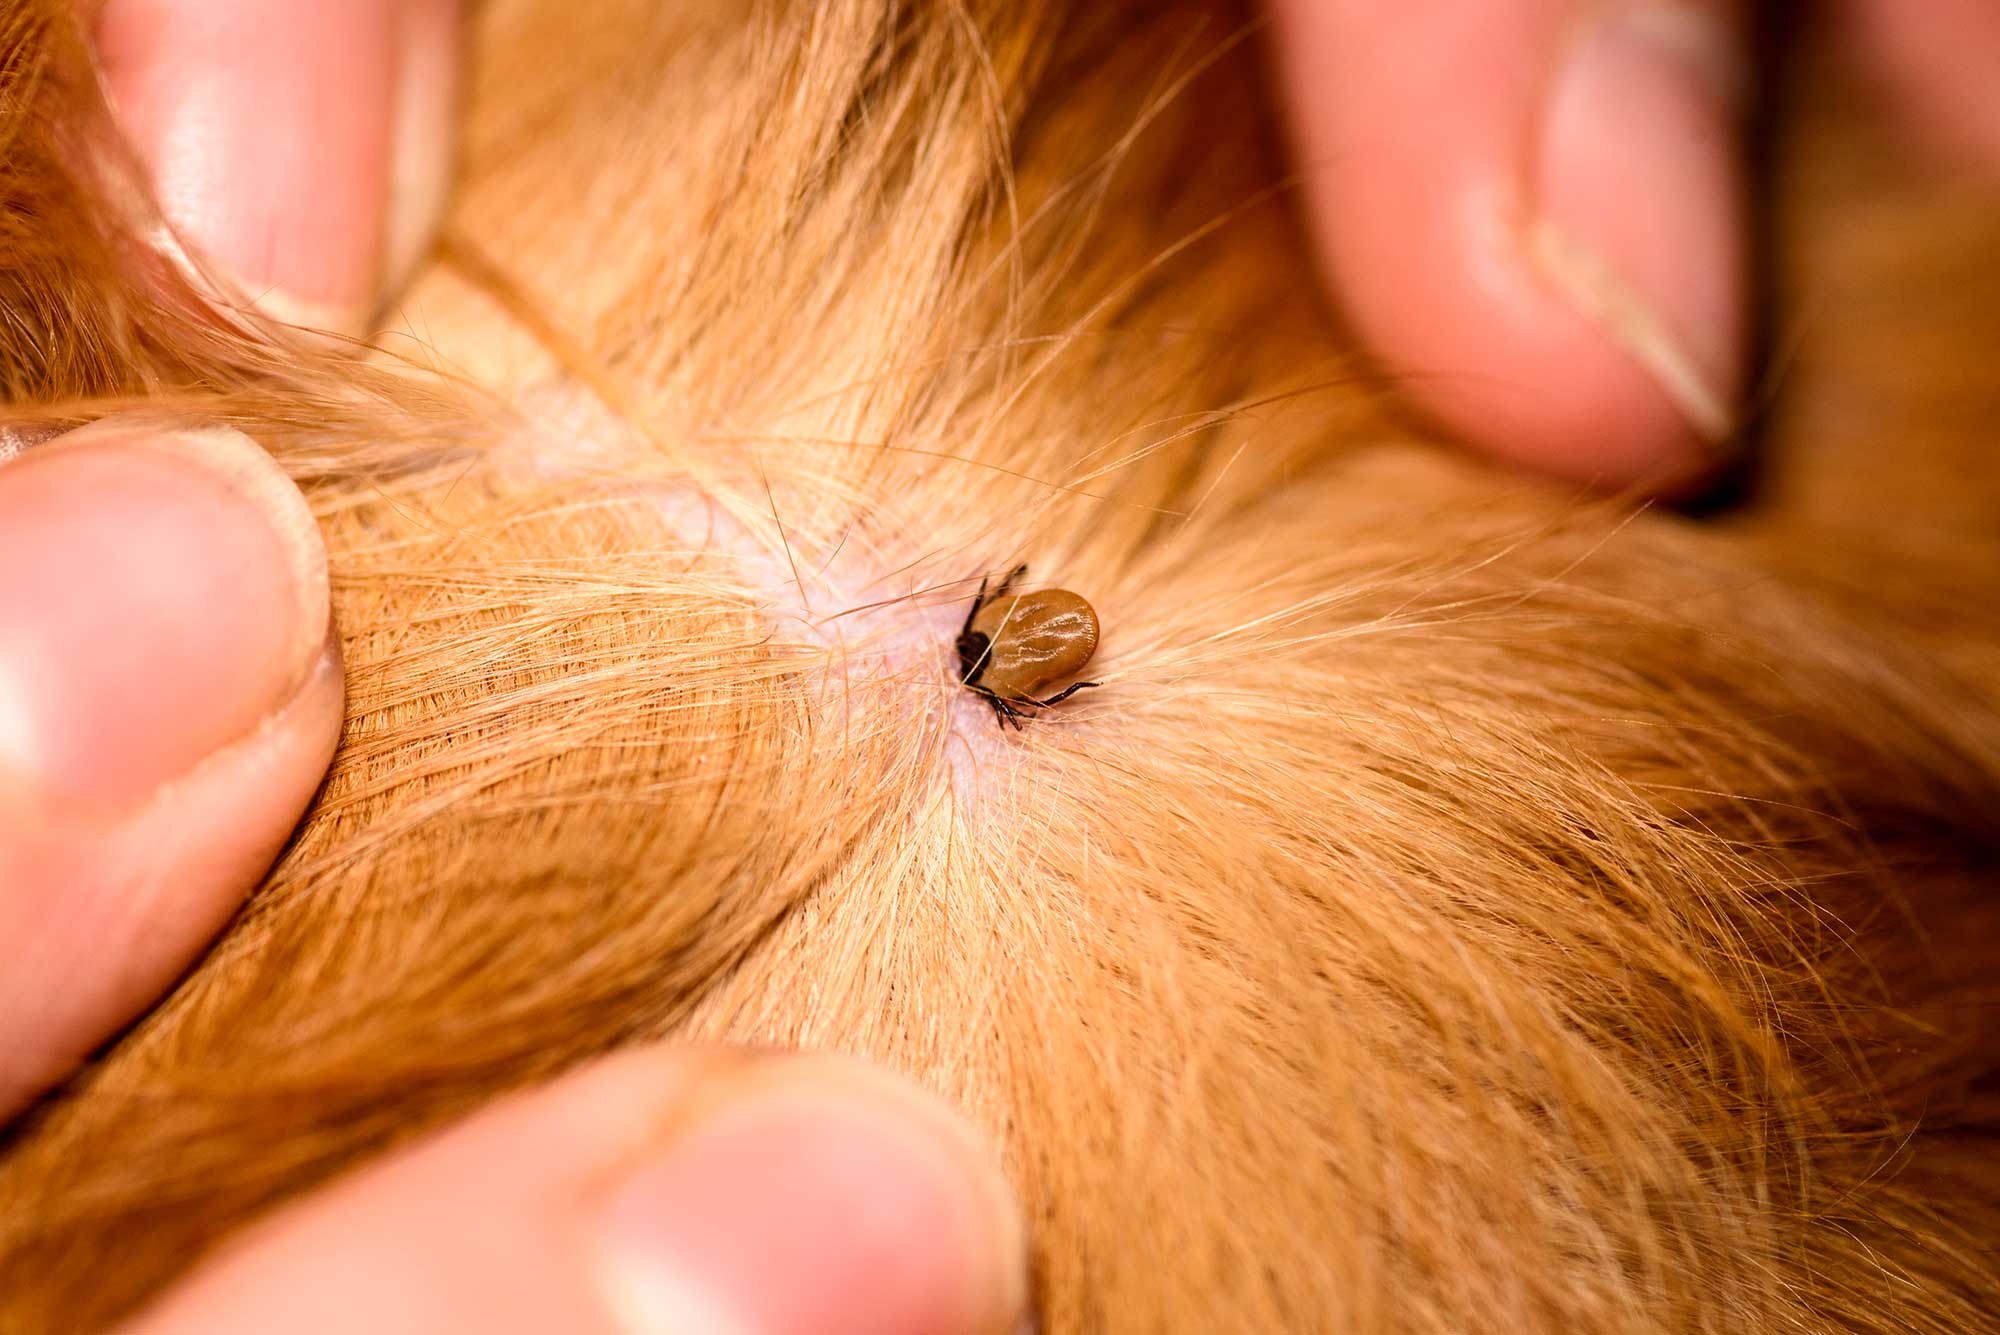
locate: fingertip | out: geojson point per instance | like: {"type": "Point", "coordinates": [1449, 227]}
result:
{"type": "Point", "coordinates": [1533, 214]}
{"type": "Point", "coordinates": [664, 1191]}
{"type": "Point", "coordinates": [300, 150]}
{"type": "Point", "coordinates": [163, 588]}
{"type": "Point", "coordinates": [168, 703]}
{"type": "Point", "coordinates": [1639, 213]}
{"type": "Point", "coordinates": [819, 1196]}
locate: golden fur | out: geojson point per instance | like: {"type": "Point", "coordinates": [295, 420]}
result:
{"type": "Point", "coordinates": [1466, 906]}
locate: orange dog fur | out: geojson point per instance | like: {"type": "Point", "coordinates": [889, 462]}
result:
{"type": "Point", "coordinates": [1464, 906]}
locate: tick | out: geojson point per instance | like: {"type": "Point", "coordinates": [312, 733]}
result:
{"type": "Point", "coordinates": [1013, 645]}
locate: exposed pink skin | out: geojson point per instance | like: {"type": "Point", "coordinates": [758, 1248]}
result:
{"type": "Point", "coordinates": [662, 1192]}
{"type": "Point", "coordinates": [300, 146]}
{"type": "Point", "coordinates": [1547, 251]}
{"type": "Point", "coordinates": [168, 704]}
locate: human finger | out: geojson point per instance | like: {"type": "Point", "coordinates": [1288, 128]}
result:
{"type": "Point", "coordinates": [1534, 211]}
{"type": "Point", "coordinates": [169, 700]}
{"type": "Point", "coordinates": [663, 1192]}
{"type": "Point", "coordinates": [303, 148]}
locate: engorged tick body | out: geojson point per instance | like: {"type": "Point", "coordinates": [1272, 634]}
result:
{"type": "Point", "coordinates": [1013, 645]}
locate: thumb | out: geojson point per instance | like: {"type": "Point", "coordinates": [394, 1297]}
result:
{"type": "Point", "coordinates": [661, 1192]}
{"type": "Point", "coordinates": [168, 703]}
{"type": "Point", "coordinates": [1535, 209]}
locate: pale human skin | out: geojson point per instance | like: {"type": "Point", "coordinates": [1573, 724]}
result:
{"type": "Point", "coordinates": [1569, 220]}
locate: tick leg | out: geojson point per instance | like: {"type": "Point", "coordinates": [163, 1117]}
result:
{"type": "Point", "coordinates": [1064, 694]}
{"type": "Point", "coordinates": [1000, 711]}
{"type": "Point", "coordinates": [984, 597]}
{"type": "Point", "coordinates": [973, 611]}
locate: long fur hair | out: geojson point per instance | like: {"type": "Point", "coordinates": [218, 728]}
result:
{"type": "Point", "coordinates": [1466, 905]}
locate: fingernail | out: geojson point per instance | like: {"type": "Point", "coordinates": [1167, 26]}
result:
{"type": "Point", "coordinates": [162, 592]}
{"type": "Point", "coordinates": [1641, 219]}
{"type": "Point", "coordinates": [290, 146]}
{"type": "Point", "coordinates": [427, 55]}
{"type": "Point", "coordinates": [819, 1197]}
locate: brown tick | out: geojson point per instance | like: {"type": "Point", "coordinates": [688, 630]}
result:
{"type": "Point", "coordinates": [1013, 645]}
